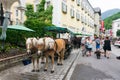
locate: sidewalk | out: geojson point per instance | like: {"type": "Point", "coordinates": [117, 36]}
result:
{"type": "Point", "coordinates": [109, 67]}
{"type": "Point", "coordinates": [21, 72]}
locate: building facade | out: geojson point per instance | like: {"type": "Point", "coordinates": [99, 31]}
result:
{"type": "Point", "coordinates": [97, 20]}
{"type": "Point", "coordinates": [18, 10]}
{"type": "Point", "coordinates": [76, 15]}
{"type": "Point", "coordinates": [115, 27]}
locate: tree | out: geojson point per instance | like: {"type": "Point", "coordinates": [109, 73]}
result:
{"type": "Point", "coordinates": [108, 21]}
{"type": "Point", "coordinates": [39, 19]}
{"type": "Point", "coordinates": [118, 32]}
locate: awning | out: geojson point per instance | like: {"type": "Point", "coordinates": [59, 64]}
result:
{"type": "Point", "coordinates": [78, 34]}
{"type": "Point", "coordinates": [57, 29]}
{"type": "Point", "coordinates": [20, 27]}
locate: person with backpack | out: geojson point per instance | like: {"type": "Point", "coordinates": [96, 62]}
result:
{"type": "Point", "coordinates": [97, 41]}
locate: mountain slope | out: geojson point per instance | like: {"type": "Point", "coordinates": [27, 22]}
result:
{"type": "Point", "coordinates": [108, 21]}
{"type": "Point", "coordinates": [109, 13]}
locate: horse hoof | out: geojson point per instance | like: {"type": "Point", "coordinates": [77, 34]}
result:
{"type": "Point", "coordinates": [58, 63]}
{"type": "Point", "coordinates": [52, 71]}
{"type": "Point", "coordinates": [61, 64]}
{"type": "Point", "coordinates": [42, 62]}
{"type": "Point", "coordinates": [33, 70]}
{"type": "Point", "coordinates": [45, 69]}
{"type": "Point", "coordinates": [37, 70]}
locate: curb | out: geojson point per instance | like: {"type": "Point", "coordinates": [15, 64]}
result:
{"type": "Point", "coordinates": [71, 68]}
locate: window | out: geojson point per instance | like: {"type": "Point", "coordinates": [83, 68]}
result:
{"type": "Point", "coordinates": [16, 20]}
{"type": "Point", "coordinates": [82, 18]}
{"type": "Point", "coordinates": [85, 20]}
{"type": "Point", "coordinates": [16, 12]}
{"type": "Point", "coordinates": [64, 8]}
{"type": "Point", "coordinates": [48, 3]}
{"type": "Point", "coordinates": [77, 16]}
{"type": "Point", "coordinates": [72, 13]}
{"type": "Point", "coordinates": [78, 2]}
{"type": "Point", "coordinates": [118, 25]}
{"type": "Point", "coordinates": [82, 6]}
{"type": "Point", "coordinates": [37, 7]}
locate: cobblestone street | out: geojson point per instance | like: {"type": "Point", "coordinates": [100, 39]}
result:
{"type": "Point", "coordinates": [21, 72]}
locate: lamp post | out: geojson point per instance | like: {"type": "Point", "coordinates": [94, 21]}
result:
{"type": "Point", "coordinates": [7, 5]}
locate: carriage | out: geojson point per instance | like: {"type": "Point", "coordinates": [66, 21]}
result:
{"type": "Point", "coordinates": [65, 34]}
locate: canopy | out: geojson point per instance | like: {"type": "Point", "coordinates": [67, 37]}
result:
{"type": "Point", "coordinates": [57, 29]}
{"type": "Point", "coordinates": [19, 27]}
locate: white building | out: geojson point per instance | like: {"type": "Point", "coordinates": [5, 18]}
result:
{"type": "Point", "coordinates": [115, 27]}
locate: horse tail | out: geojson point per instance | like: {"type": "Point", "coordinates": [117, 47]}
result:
{"type": "Point", "coordinates": [56, 48]}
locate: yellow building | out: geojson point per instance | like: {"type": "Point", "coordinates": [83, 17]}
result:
{"type": "Point", "coordinates": [76, 15]}
{"type": "Point", "coordinates": [18, 11]}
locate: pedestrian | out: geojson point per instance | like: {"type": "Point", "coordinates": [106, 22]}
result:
{"type": "Point", "coordinates": [83, 47]}
{"type": "Point", "coordinates": [89, 46]}
{"type": "Point", "coordinates": [107, 47]}
{"type": "Point", "coordinates": [102, 45]}
{"type": "Point", "coordinates": [97, 41]}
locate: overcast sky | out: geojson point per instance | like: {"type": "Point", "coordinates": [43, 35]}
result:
{"type": "Point", "coordinates": [105, 4]}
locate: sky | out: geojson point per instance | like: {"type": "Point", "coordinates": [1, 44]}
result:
{"type": "Point", "coordinates": [105, 4]}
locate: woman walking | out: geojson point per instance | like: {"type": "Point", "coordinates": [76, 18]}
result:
{"type": "Point", "coordinates": [89, 46]}
{"type": "Point", "coordinates": [107, 47]}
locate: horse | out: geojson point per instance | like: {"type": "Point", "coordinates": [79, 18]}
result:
{"type": "Point", "coordinates": [49, 47]}
{"type": "Point", "coordinates": [46, 47]}
{"type": "Point", "coordinates": [32, 48]}
{"type": "Point", "coordinates": [60, 50]}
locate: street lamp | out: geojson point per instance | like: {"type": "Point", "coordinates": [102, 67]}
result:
{"type": "Point", "coordinates": [6, 5]}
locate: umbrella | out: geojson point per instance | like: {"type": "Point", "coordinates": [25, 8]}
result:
{"type": "Point", "coordinates": [19, 27]}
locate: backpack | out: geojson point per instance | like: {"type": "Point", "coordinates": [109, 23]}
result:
{"type": "Point", "coordinates": [98, 42]}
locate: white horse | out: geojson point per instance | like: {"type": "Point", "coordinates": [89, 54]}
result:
{"type": "Point", "coordinates": [49, 47]}
{"type": "Point", "coordinates": [46, 46]}
{"type": "Point", "coordinates": [32, 48]}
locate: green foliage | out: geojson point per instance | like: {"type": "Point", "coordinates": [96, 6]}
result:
{"type": "Point", "coordinates": [29, 13]}
{"type": "Point", "coordinates": [36, 21]}
{"type": "Point", "coordinates": [40, 19]}
{"type": "Point", "coordinates": [40, 7]}
{"type": "Point", "coordinates": [108, 21]}
{"type": "Point", "coordinates": [37, 26]}
{"type": "Point", "coordinates": [118, 33]}
{"type": "Point", "coordinates": [48, 14]}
